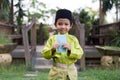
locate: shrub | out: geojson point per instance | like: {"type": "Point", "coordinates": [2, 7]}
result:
{"type": "Point", "coordinates": [116, 39]}
{"type": "Point", "coordinates": [4, 39]}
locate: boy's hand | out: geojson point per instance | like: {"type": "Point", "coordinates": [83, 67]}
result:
{"type": "Point", "coordinates": [67, 46]}
{"type": "Point", "coordinates": [55, 46]}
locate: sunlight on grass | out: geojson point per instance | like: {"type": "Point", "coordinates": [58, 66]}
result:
{"type": "Point", "coordinates": [17, 72]}
{"type": "Point", "coordinates": [100, 74]}
{"type": "Point", "coordinates": [12, 72]}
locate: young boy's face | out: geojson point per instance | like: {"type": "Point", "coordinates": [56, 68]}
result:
{"type": "Point", "coordinates": [63, 25]}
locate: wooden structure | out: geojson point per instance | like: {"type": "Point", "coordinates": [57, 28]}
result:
{"type": "Point", "coordinates": [41, 40]}
{"type": "Point", "coordinates": [9, 30]}
{"type": "Point", "coordinates": [105, 32]}
{"type": "Point", "coordinates": [6, 28]}
{"type": "Point", "coordinates": [30, 49]}
{"type": "Point", "coordinates": [81, 38]}
{"type": "Point", "coordinates": [103, 36]}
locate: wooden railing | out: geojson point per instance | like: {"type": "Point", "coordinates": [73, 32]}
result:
{"type": "Point", "coordinates": [30, 49]}
{"type": "Point", "coordinates": [7, 25]}
{"type": "Point", "coordinates": [104, 34]}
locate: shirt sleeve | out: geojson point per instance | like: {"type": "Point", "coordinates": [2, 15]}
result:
{"type": "Point", "coordinates": [76, 50]}
{"type": "Point", "coordinates": [47, 52]}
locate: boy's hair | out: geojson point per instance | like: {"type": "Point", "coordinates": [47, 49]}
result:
{"type": "Point", "coordinates": [64, 13]}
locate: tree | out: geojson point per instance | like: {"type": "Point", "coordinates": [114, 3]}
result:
{"type": "Point", "coordinates": [108, 5]}
{"type": "Point", "coordinates": [87, 17]}
{"type": "Point", "coordinates": [4, 10]}
{"type": "Point", "coordinates": [83, 16]}
{"type": "Point", "coordinates": [39, 12]}
{"type": "Point", "coordinates": [11, 20]}
{"type": "Point", "coordinates": [20, 12]}
{"type": "Point", "coordinates": [105, 5]}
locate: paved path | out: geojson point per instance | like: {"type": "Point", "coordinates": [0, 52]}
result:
{"type": "Point", "coordinates": [19, 51]}
{"type": "Point", "coordinates": [89, 50]}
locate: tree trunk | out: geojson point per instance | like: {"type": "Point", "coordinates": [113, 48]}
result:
{"type": "Point", "coordinates": [101, 14]}
{"type": "Point", "coordinates": [11, 15]}
{"type": "Point", "coordinates": [11, 12]}
{"type": "Point", "coordinates": [0, 3]}
{"type": "Point", "coordinates": [0, 6]}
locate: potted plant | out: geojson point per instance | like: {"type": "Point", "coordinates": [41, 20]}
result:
{"type": "Point", "coordinates": [6, 47]}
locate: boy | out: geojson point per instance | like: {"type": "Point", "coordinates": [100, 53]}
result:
{"type": "Point", "coordinates": [63, 48]}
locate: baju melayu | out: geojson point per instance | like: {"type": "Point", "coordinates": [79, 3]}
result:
{"type": "Point", "coordinates": [63, 62]}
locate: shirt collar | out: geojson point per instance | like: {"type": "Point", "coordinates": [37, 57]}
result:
{"type": "Point", "coordinates": [64, 34]}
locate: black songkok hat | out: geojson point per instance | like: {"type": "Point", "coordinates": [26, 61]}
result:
{"type": "Point", "coordinates": [63, 13]}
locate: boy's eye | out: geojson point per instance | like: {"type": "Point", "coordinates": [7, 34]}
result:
{"type": "Point", "coordinates": [63, 24]}
{"type": "Point", "coordinates": [66, 24]}
{"type": "Point", "coordinates": [59, 23]}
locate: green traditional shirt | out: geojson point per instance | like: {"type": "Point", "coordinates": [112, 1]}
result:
{"type": "Point", "coordinates": [64, 58]}
{"type": "Point", "coordinates": [68, 58]}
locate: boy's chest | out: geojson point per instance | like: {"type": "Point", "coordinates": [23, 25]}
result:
{"type": "Point", "coordinates": [63, 40]}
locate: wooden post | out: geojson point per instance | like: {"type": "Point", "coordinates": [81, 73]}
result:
{"type": "Point", "coordinates": [41, 34]}
{"type": "Point", "coordinates": [30, 54]}
{"type": "Point", "coordinates": [81, 31]}
{"type": "Point", "coordinates": [33, 45]}
{"type": "Point", "coordinates": [33, 35]}
{"type": "Point", "coordinates": [26, 45]}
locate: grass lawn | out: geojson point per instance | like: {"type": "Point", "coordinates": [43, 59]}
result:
{"type": "Point", "coordinates": [17, 72]}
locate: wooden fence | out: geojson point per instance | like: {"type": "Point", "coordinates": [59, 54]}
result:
{"type": "Point", "coordinates": [105, 32]}
{"type": "Point", "coordinates": [30, 49]}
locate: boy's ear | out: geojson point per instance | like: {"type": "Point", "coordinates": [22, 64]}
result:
{"type": "Point", "coordinates": [71, 25]}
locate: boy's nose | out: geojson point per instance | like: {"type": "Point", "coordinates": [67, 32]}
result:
{"type": "Point", "coordinates": [63, 26]}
